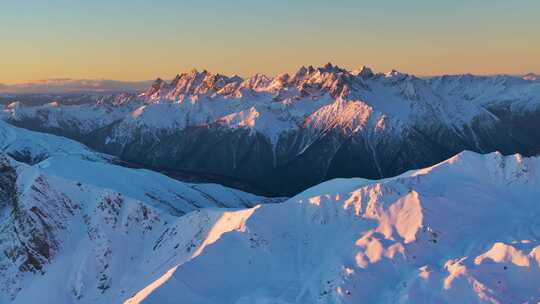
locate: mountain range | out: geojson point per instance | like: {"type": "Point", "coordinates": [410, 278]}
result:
{"type": "Point", "coordinates": [134, 197]}
{"type": "Point", "coordinates": [280, 135]}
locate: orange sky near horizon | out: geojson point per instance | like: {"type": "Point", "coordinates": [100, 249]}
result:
{"type": "Point", "coordinates": [138, 41]}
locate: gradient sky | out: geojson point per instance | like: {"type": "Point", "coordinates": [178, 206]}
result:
{"type": "Point", "coordinates": [133, 40]}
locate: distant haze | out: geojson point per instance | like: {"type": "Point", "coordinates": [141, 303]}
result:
{"type": "Point", "coordinates": [74, 85]}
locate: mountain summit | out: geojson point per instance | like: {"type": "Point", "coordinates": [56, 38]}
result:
{"type": "Point", "coordinates": [279, 135]}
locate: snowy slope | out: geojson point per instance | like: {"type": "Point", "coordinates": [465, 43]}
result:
{"type": "Point", "coordinates": [85, 224]}
{"type": "Point", "coordinates": [463, 231]}
{"type": "Point", "coordinates": [147, 186]}
{"type": "Point", "coordinates": [61, 157]}
{"type": "Point", "coordinates": [33, 147]}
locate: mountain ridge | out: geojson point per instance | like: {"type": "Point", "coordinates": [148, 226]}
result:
{"type": "Point", "coordinates": [406, 239]}
{"type": "Point", "coordinates": [300, 129]}
{"type": "Point", "coordinates": [415, 231]}
{"type": "Point", "coordinates": [59, 192]}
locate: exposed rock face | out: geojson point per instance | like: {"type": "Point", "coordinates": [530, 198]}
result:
{"type": "Point", "coordinates": [280, 135]}
{"type": "Point", "coordinates": [30, 223]}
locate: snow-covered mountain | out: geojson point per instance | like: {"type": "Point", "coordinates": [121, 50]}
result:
{"type": "Point", "coordinates": [66, 210]}
{"type": "Point", "coordinates": [531, 77]}
{"type": "Point", "coordinates": [282, 134]}
{"type": "Point", "coordinates": [33, 147]}
{"type": "Point", "coordinates": [463, 231]}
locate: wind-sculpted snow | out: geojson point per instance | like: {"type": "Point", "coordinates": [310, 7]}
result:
{"type": "Point", "coordinates": [463, 231]}
{"type": "Point", "coordinates": [78, 230]}
{"type": "Point", "coordinates": [301, 129]}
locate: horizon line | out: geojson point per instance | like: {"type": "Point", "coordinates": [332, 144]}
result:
{"type": "Point", "coordinates": [202, 70]}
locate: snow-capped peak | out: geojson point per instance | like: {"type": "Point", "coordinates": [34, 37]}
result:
{"type": "Point", "coordinates": [256, 82]}
{"type": "Point", "coordinates": [396, 74]}
{"type": "Point", "coordinates": [531, 77]}
{"type": "Point", "coordinates": [364, 72]}
{"type": "Point", "coordinates": [189, 84]}
{"type": "Point", "coordinates": [431, 118]}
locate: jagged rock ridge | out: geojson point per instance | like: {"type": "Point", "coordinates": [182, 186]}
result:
{"type": "Point", "coordinates": [282, 134]}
